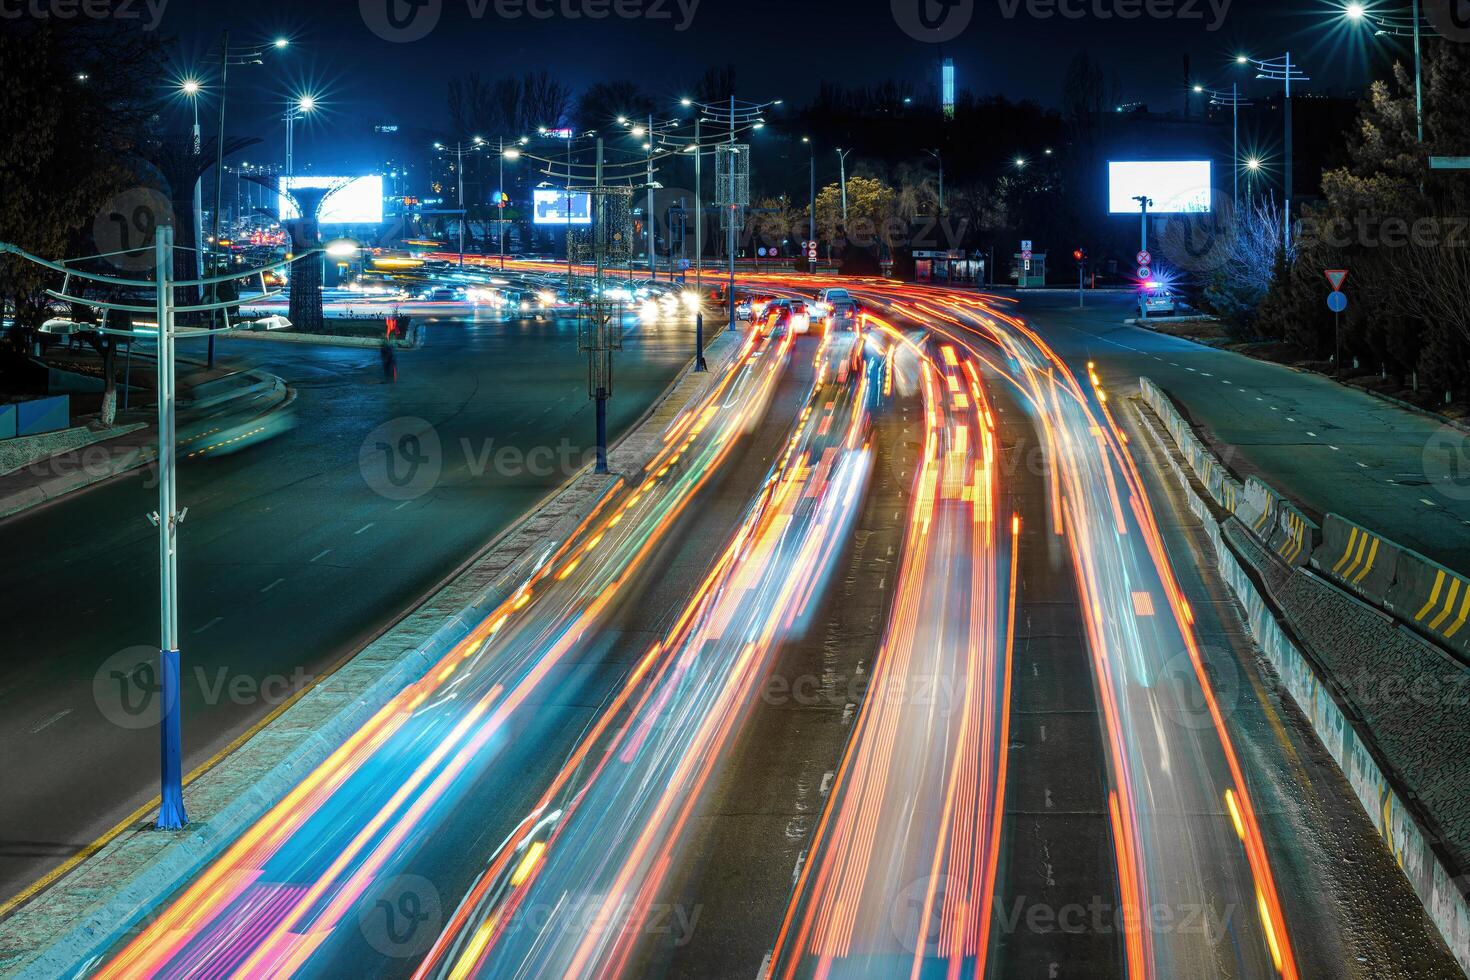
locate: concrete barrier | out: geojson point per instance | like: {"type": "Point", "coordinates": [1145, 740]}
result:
{"type": "Point", "coordinates": [1433, 600]}
{"type": "Point", "coordinates": [1356, 559]}
{"type": "Point", "coordinates": [1295, 535]}
{"type": "Point", "coordinates": [1257, 510]}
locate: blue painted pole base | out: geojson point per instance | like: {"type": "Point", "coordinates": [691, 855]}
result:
{"type": "Point", "coordinates": [171, 814]}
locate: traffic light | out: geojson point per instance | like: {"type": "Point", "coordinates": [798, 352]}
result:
{"type": "Point", "coordinates": [1080, 254]}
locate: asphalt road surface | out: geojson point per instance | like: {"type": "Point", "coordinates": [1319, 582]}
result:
{"type": "Point", "coordinates": [1331, 447]}
{"type": "Point", "coordinates": [291, 557]}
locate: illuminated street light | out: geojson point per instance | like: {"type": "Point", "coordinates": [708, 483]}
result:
{"type": "Point", "coordinates": [1020, 163]}
{"type": "Point", "coordinates": [686, 102]}
{"type": "Point", "coordinates": [1354, 11]}
{"type": "Point", "coordinates": [1397, 25]}
{"type": "Point", "coordinates": [281, 42]}
{"type": "Point", "coordinates": [190, 87]}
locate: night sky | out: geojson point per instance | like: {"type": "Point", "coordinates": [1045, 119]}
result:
{"type": "Point", "coordinates": [781, 49]}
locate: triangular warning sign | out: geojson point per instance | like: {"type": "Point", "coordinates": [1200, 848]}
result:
{"type": "Point", "coordinates": [1337, 277]}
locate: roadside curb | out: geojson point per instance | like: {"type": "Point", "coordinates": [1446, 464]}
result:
{"type": "Point", "coordinates": [88, 907]}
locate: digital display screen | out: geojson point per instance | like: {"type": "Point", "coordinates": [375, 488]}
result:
{"type": "Point", "coordinates": [1175, 186]}
{"type": "Point", "coordinates": [551, 207]}
{"type": "Point", "coordinates": [359, 201]}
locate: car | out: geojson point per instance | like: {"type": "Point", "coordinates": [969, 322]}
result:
{"type": "Point", "coordinates": [833, 295]}
{"type": "Point", "coordinates": [442, 294]}
{"type": "Point", "coordinates": [789, 313]}
{"type": "Point", "coordinates": [1155, 301]}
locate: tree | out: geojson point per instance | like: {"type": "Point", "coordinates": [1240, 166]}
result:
{"type": "Point", "coordinates": [602, 102]}
{"type": "Point", "coordinates": [75, 104]}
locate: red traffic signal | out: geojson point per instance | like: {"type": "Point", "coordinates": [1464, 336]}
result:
{"type": "Point", "coordinates": [1079, 254]}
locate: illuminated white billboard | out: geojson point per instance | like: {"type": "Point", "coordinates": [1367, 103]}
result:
{"type": "Point", "coordinates": [359, 201]}
{"type": "Point", "coordinates": [551, 207]}
{"type": "Point", "coordinates": [1174, 186]}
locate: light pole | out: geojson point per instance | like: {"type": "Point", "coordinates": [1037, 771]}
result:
{"type": "Point", "coordinates": [940, 160]}
{"type": "Point", "coordinates": [459, 151]}
{"type": "Point", "coordinates": [1144, 202]}
{"type": "Point", "coordinates": [248, 55]}
{"type": "Point", "coordinates": [295, 110]}
{"type": "Point", "coordinates": [1234, 101]}
{"type": "Point", "coordinates": [190, 88]}
{"type": "Point", "coordinates": [1398, 25]}
{"type": "Point", "coordinates": [168, 517]}
{"type": "Point", "coordinates": [512, 153]}
{"type": "Point", "coordinates": [842, 178]}
{"type": "Point", "coordinates": [1252, 167]}
{"type": "Point", "coordinates": [811, 217]}
{"type": "Point", "coordinates": [1282, 70]}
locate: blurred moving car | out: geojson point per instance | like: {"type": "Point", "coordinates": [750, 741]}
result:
{"type": "Point", "coordinates": [789, 313]}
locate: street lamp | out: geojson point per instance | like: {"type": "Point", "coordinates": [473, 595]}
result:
{"type": "Point", "coordinates": [295, 110]}
{"type": "Point", "coordinates": [1397, 25]}
{"type": "Point", "coordinates": [940, 160]}
{"type": "Point", "coordinates": [506, 153]}
{"type": "Point", "coordinates": [1282, 70]}
{"type": "Point", "coordinates": [1235, 102]}
{"type": "Point", "coordinates": [459, 152]}
{"type": "Point", "coordinates": [842, 177]}
{"type": "Point", "coordinates": [812, 213]}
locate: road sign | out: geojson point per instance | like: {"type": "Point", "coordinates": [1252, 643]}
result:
{"type": "Point", "coordinates": [1336, 277]}
{"type": "Point", "coordinates": [1337, 302]}
{"type": "Point", "coordinates": [811, 254]}
{"type": "Point", "coordinates": [683, 264]}
{"type": "Point", "coordinates": [1026, 254]}
{"type": "Point", "coordinates": [1027, 266]}
{"type": "Point", "coordinates": [1144, 258]}
{"type": "Point", "coordinates": [1144, 272]}
{"type": "Point", "coordinates": [1025, 244]}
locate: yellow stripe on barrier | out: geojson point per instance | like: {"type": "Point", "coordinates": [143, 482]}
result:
{"type": "Point", "coordinates": [1346, 552]}
{"type": "Point", "coordinates": [1449, 605]}
{"type": "Point", "coordinates": [1433, 597]}
{"type": "Point", "coordinates": [1460, 621]}
{"type": "Point", "coordinates": [1266, 515]}
{"type": "Point", "coordinates": [1372, 554]}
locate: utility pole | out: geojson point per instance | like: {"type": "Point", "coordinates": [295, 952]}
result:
{"type": "Point", "coordinates": [1143, 202]}
{"type": "Point", "coordinates": [459, 177]}
{"type": "Point", "coordinates": [842, 176]}
{"type": "Point", "coordinates": [648, 212]}
{"type": "Point", "coordinates": [734, 210]}
{"type": "Point", "coordinates": [1282, 70]}
{"type": "Point", "coordinates": [811, 216]}
{"type": "Point", "coordinates": [698, 223]}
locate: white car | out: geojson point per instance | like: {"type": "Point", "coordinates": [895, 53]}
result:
{"type": "Point", "coordinates": [1156, 301]}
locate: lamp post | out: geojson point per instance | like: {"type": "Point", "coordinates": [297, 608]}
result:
{"type": "Point", "coordinates": [1234, 101]}
{"type": "Point", "coordinates": [168, 516]}
{"type": "Point", "coordinates": [459, 151]}
{"type": "Point", "coordinates": [811, 217]}
{"type": "Point", "coordinates": [247, 55]}
{"type": "Point", "coordinates": [513, 153]}
{"type": "Point", "coordinates": [190, 88]}
{"type": "Point", "coordinates": [1398, 25]}
{"type": "Point", "coordinates": [1144, 202]}
{"type": "Point", "coordinates": [940, 160]}
{"type": "Point", "coordinates": [295, 109]}
{"type": "Point", "coordinates": [1281, 70]}
{"type": "Point", "coordinates": [842, 177]}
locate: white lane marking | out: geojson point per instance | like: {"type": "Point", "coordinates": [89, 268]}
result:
{"type": "Point", "coordinates": [273, 585]}
{"type": "Point", "coordinates": [50, 721]}
{"type": "Point", "coordinates": [1333, 448]}
{"type": "Point", "coordinates": [403, 505]}
{"type": "Point", "coordinates": [1259, 398]}
{"type": "Point", "coordinates": [320, 554]}
{"type": "Point", "coordinates": [1206, 374]}
{"type": "Point", "coordinates": [1427, 503]}
{"type": "Point", "coordinates": [363, 528]}
{"type": "Point", "coordinates": [1290, 419]}
{"type": "Point", "coordinates": [1311, 433]}
{"type": "Point", "coordinates": [1224, 382]}
{"type": "Point", "coordinates": [1361, 465]}
{"type": "Point", "coordinates": [208, 625]}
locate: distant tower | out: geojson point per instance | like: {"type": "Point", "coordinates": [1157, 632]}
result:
{"type": "Point", "coordinates": [946, 87]}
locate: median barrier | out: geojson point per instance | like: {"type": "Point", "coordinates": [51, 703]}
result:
{"type": "Point", "coordinates": [1257, 510]}
{"type": "Point", "coordinates": [1294, 536]}
{"type": "Point", "coordinates": [1356, 559]}
{"type": "Point", "coordinates": [1433, 600]}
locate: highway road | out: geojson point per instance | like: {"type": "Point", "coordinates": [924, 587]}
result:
{"type": "Point", "coordinates": [1064, 757]}
{"type": "Point", "coordinates": [1329, 446]}
{"type": "Point", "coordinates": [293, 556]}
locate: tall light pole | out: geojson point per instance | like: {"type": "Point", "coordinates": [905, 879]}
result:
{"type": "Point", "coordinates": [1144, 202]}
{"type": "Point", "coordinates": [842, 177]}
{"type": "Point", "coordinates": [190, 88]}
{"type": "Point", "coordinates": [247, 55]}
{"type": "Point", "coordinates": [295, 109]}
{"type": "Point", "coordinates": [459, 151]}
{"type": "Point", "coordinates": [940, 160]}
{"type": "Point", "coordinates": [811, 216]}
{"type": "Point", "coordinates": [1282, 70]}
{"type": "Point", "coordinates": [512, 152]}
{"type": "Point", "coordinates": [1234, 101]}
{"type": "Point", "coordinates": [1397, 25]}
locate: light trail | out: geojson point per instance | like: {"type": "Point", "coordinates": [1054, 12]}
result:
{"type": "Point", "coordinates": [277, 897]}
{"type": "Point", "coordinates": [580, 908]}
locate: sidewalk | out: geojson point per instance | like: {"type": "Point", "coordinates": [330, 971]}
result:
{"type": "Point", "coordinates": [205, 395]}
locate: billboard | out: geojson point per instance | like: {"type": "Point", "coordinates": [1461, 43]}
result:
{"type": "Point", "coordinates": [551, 207]}
{"type": "Point", "coordinates": [359, 201]}
{"type": "Point", "coordinates": [1176, 186]}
